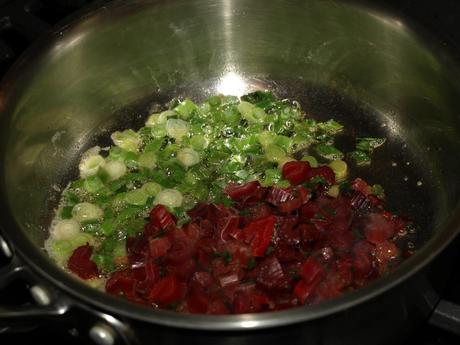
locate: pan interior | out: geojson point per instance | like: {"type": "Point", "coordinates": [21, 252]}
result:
{"type": "Point", "coordinates": [357, 65]}
{"type": "Point", "coordinates": [406, 173]}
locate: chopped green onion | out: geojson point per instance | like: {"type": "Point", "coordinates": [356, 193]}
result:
{"type": "Point", "coordinates": [311, 160]}
{"type": "Point", "coordinates": [262, 99]}
{"type": "Point", "coordinates": [60, 250]}
{"type": "Point", "coordinates": [159, 131]}
{"type": "Point", "coordinates": [284, 142]}
{"type": "Point", "coordinates": [169, 197]}
{"type": "Point", "coordinates": [71, 198]}
{"type": "Point", "coordinates": [272, 177]}
{"type": "Point", "coordinates": [93, 184]}
{"type": "Point", "coordinates": [151, 188]}
{"type": "Point", "coordinates": [164, 116]}
{"type": "Point", "coordinates": [177, 128]}
{"type": "Point", "coordinates": [334, 191]}
{"type": "Point", "coordinates": [251, 113]}
{"type": "Point", "coordinates": [198, 142]}
{"type": "Point", "coordinates": [227, 256]}
{"type": "Point", "coordinates": [330, 127]}
{"type": "Point", "coordinates": [276, 154]}
{"type": "Point", "coordinates": [127, 140]}
{"type": "Point", "coordinates": [345, 187]}
{"type": "Point", "coordinates": [147, 160]}
{"type": "Point", "coordinates": [107, 228]}
{"type": "Point", "coordinates": [378, 191]}
{"type": "Point", "coordinates": [214, 101]}
{"type": "Point", "coordinates": [186, 108]}
{"type": "Point", "coordinates": [114, 170]}
{"type": "Point", "coordinates": [152, 120]}
{"type": "Point", "coordinates": [266, 138]}
{"type": "Point", "coordinates": [90, 165]}
{"type": "Point", "coordinates": [66, 212]}
{"type": "Point", "coordinates": [360, 157]}
{"type": "Point", "coordinates": [119, 250]}
{"type": "Point", "coordinates": [328, 152]}
{"type": "Point", "coordinates": [340, 169]}
{"type": "Point", "coordinates": [283, 184]}
{"type": "Point", "coordinates": [251, 264]}
{"type": "Point", "coordinates": [65, 229]}
{"type": "Point", "coordinates": [188, 157]}
{"type": "Point", "coordinates": [86, 211]}
{"type": "Point", "coordinates": [369, 144]}
{"type": "Point", "coordinates": [159, 118]}
{"type": "Point", "coordinates": [269, 250]}
{"type": "Point", "coordinates": [136, 197]}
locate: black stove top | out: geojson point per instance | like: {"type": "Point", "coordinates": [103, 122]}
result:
{"type": "Point", "coordinates": [23, 21]}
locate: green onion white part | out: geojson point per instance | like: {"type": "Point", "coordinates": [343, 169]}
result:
{"type": "Point", "coordinates": [90, 164]}
{"type": "Point", "coordinates": [114, 170]}
{"type": "Point", "coordinates": [128, 140]}
{"type": "Point", "coordinates": [148, 160]}
{"type": "Point", "coordinates": [170, 198]}
{"type": "Point", "coordinates": [86, 211]}
{"type": "Point", "coordinates": [340, 169]}
{"type": "Point", "coordinates": [177, 128]}
{"type": "Point", "coordinates": [188, 157]}
{"type": "Point", "coordinates": [65, 229]}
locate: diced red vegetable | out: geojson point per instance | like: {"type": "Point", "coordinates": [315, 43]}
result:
{"type": "Point", "coordinates": [310, 270]}
{"type": "Point", "coordinates": [324, 172]}
{"type": "Point", "coordinates": [385, 252]}
{"type": "Point", "coordinates": [341, 240]}
{"type": "Point", "coordinates": [136, 245]}
{"type": "Point", "coordinates": [325, 255]}
{"type": "Point", "coordinates": [270, 274]}
{"type": "Point", "coordinates": [202, 279]}
{"type": "Point", "coordinates": [183, 270]}
{"type": "Point", "coordinates": [257, 211]}
{"type": "Point", "coordinates": [309, 234]}
{"type": "Point", "coordinates": [197, 302]}
{"type": "Point", "coordinates": [166, 290]}
{"type": "Point", "coordinates": [361, 186]}
{"type": "Point", "coordinates": [309, 210]}
{"type": "Point", "coordinates": [378, 228]}
{"type": "Point", "coordinates": [286, 252]}
{"type": "Point", "coordinates": [182, 249]}
{"type": "Point", "coordinates": [249, 302]}
{"type": "Point", "coordinates": [359, 201]}
{"type": "Point", "coordinates": [277, 196]}
{"type": "Point", "coordinates": [159, 246]}
{"type": "Point", "coordinates": [226, 228]}
{"type": "Point", "coordinates": [304, 290]}
{"type": "Point", "coordinates": [296, 172]}
{"type": "Point", "coordinates": [374, 200]}
{"type": "Point", "coordinates": [363, 265]}
{"type": "Point", "coordinates": [121, 282]}
{"type": "Point", "coordinates": [193, 231]}
{"type": "Point", "coordinates": [229, 280]}
{"type": "Point", "coordinates": [290, 206]}
{"type": "Point", "coordinates": [217, 307]}
{"type": "Point", "coordinates": [161, 218]}
{"type": "Point", "coordinates": [303, 193]}
{"type": "Point", "coordinates": [273, 249]}
{"type": "Point", "coordinates": [81, 264]}
{"type": "Point", "coordinates": [238, 192]}
{"type": "Point", "coordinates": [259, 234]}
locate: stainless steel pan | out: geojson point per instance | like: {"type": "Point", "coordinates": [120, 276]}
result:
{"type": "Point", "coordinates": [106, 68]}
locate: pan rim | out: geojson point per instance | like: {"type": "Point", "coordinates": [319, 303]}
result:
{"type": "Point", "coordinates": [51, 273]}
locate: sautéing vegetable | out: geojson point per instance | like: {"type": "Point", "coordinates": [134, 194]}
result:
{"type": "Point", "coordinates": [206, 209]}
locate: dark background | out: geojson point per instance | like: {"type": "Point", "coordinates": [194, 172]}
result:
{"type": "Point", "coordinates": [23, 21]}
